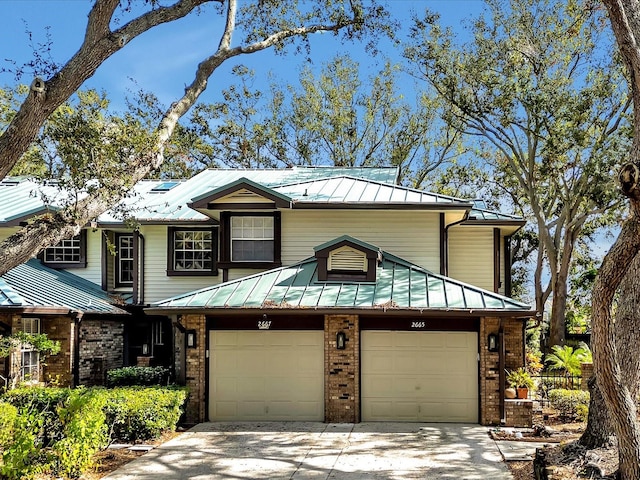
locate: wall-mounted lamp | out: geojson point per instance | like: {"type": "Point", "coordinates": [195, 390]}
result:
{"type": "Point", "coordinates": [191, 339]}
{"type": "Point", "coordinates": [341, 340]}
{"type": "Point", "coordinates": [492, 342]}
{"type": "Point", "coordinates": [145, 349]}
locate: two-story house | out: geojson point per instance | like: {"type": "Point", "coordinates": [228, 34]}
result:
{"type": "Point", "coordinates": [311, 293]}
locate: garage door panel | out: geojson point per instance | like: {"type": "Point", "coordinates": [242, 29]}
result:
{"type": "Point", "coordinates": [225, 338]}
{"type": "Point", "coordinates": [250, 338]}
{"type": "Point", "coordinates": [266, 375]}
{"type": "Point", "coordinates": [433, 377]}
{"type": "Point", "coordinates": [459, 340]}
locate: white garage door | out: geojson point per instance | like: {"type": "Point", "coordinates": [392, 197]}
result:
{"type": "Point", "coordinates": [419, 376]}
{"type": "Point", "coordinates": [266, 375]}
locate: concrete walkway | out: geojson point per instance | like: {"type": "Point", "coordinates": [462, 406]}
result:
{"type": "Point", "coordinates": [307, 450]}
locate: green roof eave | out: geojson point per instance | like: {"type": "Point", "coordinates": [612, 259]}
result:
{"type": "Point", "coordinates": [439, 207]}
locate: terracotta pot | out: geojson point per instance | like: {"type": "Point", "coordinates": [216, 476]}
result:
{"type": "Point", "coordinates": [522, 392]}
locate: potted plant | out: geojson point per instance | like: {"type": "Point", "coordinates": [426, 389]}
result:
{"type": "Point", "coordinates": [521, 381]}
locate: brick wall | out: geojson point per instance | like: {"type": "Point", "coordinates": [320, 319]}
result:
{"type": "Point", "coordinates": [342, 371]}
{"type": "Point", "coordinates": [101, 349]}
{"type": "Point", "coordinates": [490, 364]}
{"type": "Point", "coordinates": [518, 413]}
{"type": "Point", "coordinates": [59, 367]}
{"type": "Point", "coordinates": [195, 369]}
{"type": "Point", "coordinates": [587, 373]}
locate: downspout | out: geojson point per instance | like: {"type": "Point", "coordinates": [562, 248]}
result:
{"type": "Point", "coordinates": [501, 372]}
{"type": "Point", "coordinates": [138, 272]}
{"type": "Point", "coordinates": [76, 350]}
{"type": "Point", "coordinates": [507, 266]}
{"type": "Point", "coordinates": [445, 239]}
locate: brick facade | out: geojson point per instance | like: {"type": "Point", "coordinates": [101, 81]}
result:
{"type": "Point", "coordinates": [59, 368]}
{"type": "Point", "coordinates": [587, 373]}
{"type": "Point", "coordinates": [101, 349]}
{"type": "Point", "coordinates": [518, 413]}
{"type": "Point", "coordinates": [195, 370]}
{"type": "Point", "coordinates": [342, 370]}
{"type": "Point", "coordinates": [490, 400]}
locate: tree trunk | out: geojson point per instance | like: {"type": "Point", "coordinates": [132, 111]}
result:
{"type": "Point", "coordinates": [619, 396]}
{"type": "Point", "coordinates": [627, 337]}
{"type": "Point", "coordinates": [599, 431]}
{"type": "Point", "coordinates": [558, 308]}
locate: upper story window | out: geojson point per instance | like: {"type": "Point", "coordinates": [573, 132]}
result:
{"type": "Point", "coordinates": [192, 251]}
{"type": "Point", "coordinates": [69, 253]}
{"type": "Point", "coordinates": [124, 260]}
{"type": "Point", "coordinates": [250, 240]}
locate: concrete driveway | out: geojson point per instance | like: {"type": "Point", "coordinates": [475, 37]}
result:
{"type": "Point", "coordinates": [307, 450]}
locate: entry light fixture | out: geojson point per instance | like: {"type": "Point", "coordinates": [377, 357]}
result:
{"type": "Point", "coordinates": [492, 342]}
{"type": "Point", "coordinates": [341, 340]}
{"type": "Point", "coordinates": [191, 339]}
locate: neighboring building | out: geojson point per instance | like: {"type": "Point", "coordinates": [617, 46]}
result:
{"type": "Point", "coordinates": [83, 318]}
{"type": "Point", "coordinates": [320, 293]}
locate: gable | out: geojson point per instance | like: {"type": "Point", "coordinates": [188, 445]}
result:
{"type": "Point", "coordinates": [243, 193]}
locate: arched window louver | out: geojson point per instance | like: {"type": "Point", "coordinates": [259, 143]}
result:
{"type": "Point", "coordinates": [347, 259]}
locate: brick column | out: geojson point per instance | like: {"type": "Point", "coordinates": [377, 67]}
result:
{"type": "Point", "coordinates": [490, 366]}
{"type": "Point", "coordinates": [489, 375]}
{"type": "Point", "coordinates": [59, 367]}
{"type": "Point", "coordinates": [587, 373]}
{"type": "Point", "coordinates": [342, 370]}
{"type": "Point", "coordinates": [195, 369]}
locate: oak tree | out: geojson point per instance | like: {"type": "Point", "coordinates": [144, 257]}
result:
{"type": "Point", "coordinates": [547, 104]}
{"type": "Point", "coordinates": [260, 24]}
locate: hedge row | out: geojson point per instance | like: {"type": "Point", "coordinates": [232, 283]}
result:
{"type": "Point", "coordinates": [56, 431]}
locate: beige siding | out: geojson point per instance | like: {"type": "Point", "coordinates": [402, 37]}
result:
{"type": "Point", "coordinates": [158, 285]}
{"type": "Point", "coordinates": [6, 232]}
{"type": "Point", "coordinates": [93, 271]}
{"type": "Point", "coordinates": [411, 235]}
{"type": "Point", "coordinates": [471, 255]}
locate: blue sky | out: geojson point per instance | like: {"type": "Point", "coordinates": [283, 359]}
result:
{"type": "Point", "coordinates": [163, 60]}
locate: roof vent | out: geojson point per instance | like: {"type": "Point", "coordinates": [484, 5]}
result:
{"type": "Point", "coordinates": [347, 259]}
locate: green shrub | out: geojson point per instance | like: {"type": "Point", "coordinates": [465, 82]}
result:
{"type": "Point", "coordinates": [85, 432]}
{"type": "Point", "coordinates": [57, 431]}
{"type": "Point", "coordinates": [140, 413]}
{"type": "Point", "coordinates": [25, 455]}
{"type": "Point", "coordinates": [44, 401]}
{"type": "Point", "coordinates": [570, 403]}
{"type": "Point", "coordinates": [8, 415]}
{"type": "Point", "coordinates": [137, 376]}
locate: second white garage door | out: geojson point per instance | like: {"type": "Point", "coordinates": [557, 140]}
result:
{"type": "Point", "coordinates": [419, 376]}
{"type": "Point", "coordinates": [266, 375]}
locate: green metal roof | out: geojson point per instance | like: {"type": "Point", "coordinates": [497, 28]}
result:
{"type": "Point", "coordinates": [35, 285]}
{"type": "Point", "coordinates": [305, 187]}
{"type": "Point", "coordinates": [399, 285]}
{"type": "Point", "coordinates": [352, 191]}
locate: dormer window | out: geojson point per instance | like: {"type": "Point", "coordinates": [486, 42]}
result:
{"type": "Point", "coordinates": [347, 259]}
